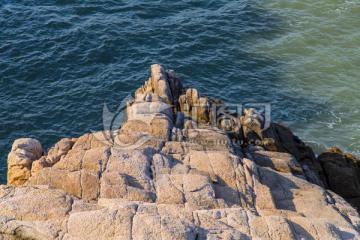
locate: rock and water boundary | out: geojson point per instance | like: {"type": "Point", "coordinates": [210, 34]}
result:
{"type": "Point", "coordinates": [182, 166]}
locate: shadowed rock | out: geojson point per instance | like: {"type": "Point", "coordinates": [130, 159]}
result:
{"type": "Point", "coordinates": [342, 174]}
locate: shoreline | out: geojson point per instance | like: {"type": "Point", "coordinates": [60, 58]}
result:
{"type": "Point", "coordinates": [181, 160]}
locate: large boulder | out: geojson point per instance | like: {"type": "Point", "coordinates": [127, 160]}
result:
{"type": "Point", "coordinates": [342, 174]}
{"type": "Point", "coordinates": [164, 83]}
{"type": "Point", "coordinates": [282, 162]}
{"type": "Point", "coordinates": [23, 152]}
{"type": "Point", "coordinates": [195, 106]}
{"type": "Point", "coordinates": [53, 155]}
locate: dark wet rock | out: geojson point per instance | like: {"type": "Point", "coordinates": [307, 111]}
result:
{"type": "Point", "coordinates": [342, 173]}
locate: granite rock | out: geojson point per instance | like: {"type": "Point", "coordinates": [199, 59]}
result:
{"type": "Point", "coordinates": [23, 152]}
{"type": "Point", "coordinates": [342, 172]}
{"type": "Point", "coordinates": [171, 172]}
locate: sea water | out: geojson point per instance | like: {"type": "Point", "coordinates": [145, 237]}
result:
{"type": "Point", "coordinates": [61, 61]}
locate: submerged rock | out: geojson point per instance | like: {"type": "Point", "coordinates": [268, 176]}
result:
{"type": "Point", "coordinates": [178, 169]}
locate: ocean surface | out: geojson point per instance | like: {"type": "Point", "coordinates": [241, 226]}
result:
{"type": "Point", "coordinates": [61, 61]}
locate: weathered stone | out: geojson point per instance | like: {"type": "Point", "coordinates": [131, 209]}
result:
{"type": "Point", "coordinates": [93, 140]}
{"type": "Point", "coordinates": [23, 152]}
{"type": "Point", "coordinates": [165, 84]}
{"type": "Point", "coordinates": [286, 141]}
{"type": "Point", "coordinates": [174, 147]}
{"type": "Point", "coordinates": [342, 174]}
{"type": "Point", "coordinates": [108, 224]}
{"type": "Point", "coordinates": [72, 161]}
{"type": "Point", "coordinates": [32, 203]}
{"type": "Point", "coordinates": [59, 150]}
{"type": "Point", "coordinates": [169, 189]}
{"type": "Point", "coordinates": [199, 192]}
{"type": "Point", "coordinates": [140, 110]}
{"type": "Point", "coordinates": [175, 86]}
{"type": "Point", "coordinates": [252, 125]}
{"type": "Point", "coordinates": [211, 139]}
{"type": "Point", "coordinates": [176, 228]}
{"type": "Point", "coordinates": [39, 165]}
{"type": "Point", "coordinates": [90, 184]}
{"type": "Point", "coordinates": [66, 180]}
{"type": "Point", "coordinates": [113, 185]}
{"type": "Point", "coordinates": [188, 180]}
{"type": "Point", "coordinates": [53, 155]}
{"type": "Point", "coordinates": [128, 174]}
{"type": "Point", "coordinates": [77, 173]}
{"type": "Point", "coordinates": [279, 138]}
{"type": "Point", "coordinates": [195, 107]}
{"type": "Point", "coordinates": [282, 162]}
{"type": "Point", "coordinates": [176, 135]}
{"type": "Point", "coordinates": [138, 134]}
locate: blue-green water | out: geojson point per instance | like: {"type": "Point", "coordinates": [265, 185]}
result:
{"type": "Point", "coordinates": [60, 61]}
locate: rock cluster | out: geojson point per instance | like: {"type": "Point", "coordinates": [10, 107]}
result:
{"type": "Point", "coordinates": [342, 174]}
{"type": "Point", "coordinates": [177, 169]}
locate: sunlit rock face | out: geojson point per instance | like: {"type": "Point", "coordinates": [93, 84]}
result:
{"type": "Point", "coordinates": [177, 169]}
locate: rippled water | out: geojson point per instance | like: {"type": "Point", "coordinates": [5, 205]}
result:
{"type": "Point", "coordinates": [60, 61]}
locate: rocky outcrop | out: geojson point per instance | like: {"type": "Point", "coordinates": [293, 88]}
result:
{"type": "Point", "coordinates": [53, 156]}
{"type": "Point", "coordinates": [342, 173]}
{"type": "Point", "coordinates": [280, 138]}
{"type": "Point", "coordinates": [23, 152]}
{"type": "Point", "coordinates": [175, 170]}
